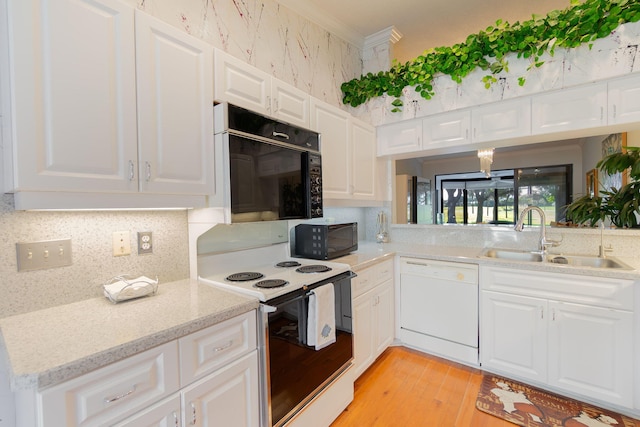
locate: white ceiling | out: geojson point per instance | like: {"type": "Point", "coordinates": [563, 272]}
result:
{"type": "Point", "coordinates": [422, 23]}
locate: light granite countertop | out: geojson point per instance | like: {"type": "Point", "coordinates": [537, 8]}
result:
{"type": "Point", "coordinates": [369, 253]}
{"type": "Point", "coordinates": [47, 347]}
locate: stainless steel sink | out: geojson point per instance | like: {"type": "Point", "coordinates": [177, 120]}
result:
{"type": "Point", "coordinates": [588, 261]}
{"type": "Point", "coordinates": [569, 260]}
{"type": "Point", "coordinates": [512, 255]}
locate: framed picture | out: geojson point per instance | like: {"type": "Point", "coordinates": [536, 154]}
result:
{"type": "Point", "coordinates": [614, 143]}
{"type": "Point", "coordinates": [592, 182]}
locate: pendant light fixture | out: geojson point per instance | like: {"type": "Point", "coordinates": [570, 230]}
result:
{"type": "Point", "coordinates": [486, 158]}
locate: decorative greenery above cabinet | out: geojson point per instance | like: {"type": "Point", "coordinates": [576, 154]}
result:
{"type": "Point", "coordinates": [580, 24]}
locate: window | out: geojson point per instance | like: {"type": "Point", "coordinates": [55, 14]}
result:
{"type": "Point", "coordinates": [472, 198]}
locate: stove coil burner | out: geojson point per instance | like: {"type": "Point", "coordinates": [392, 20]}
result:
{"type": "Point", "coordinates": [316, 268]}
{"type": "Point", "coordinates": [288, 264]}
{"type": "Point", "coordinates": [244, 276]}
{"type": "Point", "coordinates": [271, 283]}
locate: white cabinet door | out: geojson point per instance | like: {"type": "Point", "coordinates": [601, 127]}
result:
{"type": "Point", "coordinates": [175, 109]}
{"type": "Point", "coordinates": [384, 313]}
{"type": "Point", "coordinates": [569, 109]}
{"type": "Point", "coordinates": [363, 155]}
{"type": "Point", "coordinates": [397, 138]}
{"type": "Point", "coordinates": [363, 333]}
{"type": "Point", "coordinates": [73, 95]}
{"type": "Point", "coordinates": [166, 413]}
{"type": "Point", "coordinates": [447, 130]}
{"type": "Point", "coordinates": [241, 84]}
{"type": "Point", "coordinates": [290, 104]}
{"type": "Point", "coordinates": [624, 100]}
{"type": "Point", "coordinates": [502, 120]}
{"type": "Point", "coordinates": [333, 126]}
{"type": "Point", "coordinates": [228, 397]}
{"type": "Point", "coordinates": [590, 351]}
{"type": "Point", "coordinates": [513, 336]}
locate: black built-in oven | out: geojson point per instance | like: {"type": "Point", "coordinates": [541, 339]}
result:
{"type": "Point", "coordinates": [273, 169]}
{"type": "Point", "coordinates": [297, 372]}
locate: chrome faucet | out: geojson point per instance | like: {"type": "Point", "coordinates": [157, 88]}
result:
{"type": "Point", "coordinates": [543, 243]}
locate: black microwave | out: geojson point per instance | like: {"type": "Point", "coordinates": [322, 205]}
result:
{"type": "Point", "coordinates": [325, 241]}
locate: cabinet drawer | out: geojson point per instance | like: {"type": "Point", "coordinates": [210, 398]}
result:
{"type": "Point", "coordinates": [205, 351]}
{"type": "Point", "coordinates": [371, 277]}
{"type": "Point", "coordinates": [111, 393]}
{"type": "Point", "coordinates": [590, 290]}
{"type": "Point", "coordinates": [383, 271]}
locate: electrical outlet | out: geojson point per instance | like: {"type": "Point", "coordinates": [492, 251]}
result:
{"type": "Point", "coordinates": [145, 242]}
{"type": "Point", "coordinates": [121, 243]}
{"type": "Point", "coordinates": [42, 255]}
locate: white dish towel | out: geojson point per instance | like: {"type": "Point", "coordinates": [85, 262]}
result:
{"type": "Point", "coordinates": [321, 324]}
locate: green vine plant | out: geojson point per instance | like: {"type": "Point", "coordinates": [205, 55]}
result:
{"type": "Point", "coordinates": [580, 23]}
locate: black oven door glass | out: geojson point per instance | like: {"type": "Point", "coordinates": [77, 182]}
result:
{"type": "Point", "coordinates": [266, 180]}
{"type": "Point", "coordinates": [296, 370]}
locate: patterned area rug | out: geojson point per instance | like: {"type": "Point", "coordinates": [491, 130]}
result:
{"type": "Point", "coordinates": [528, 406]}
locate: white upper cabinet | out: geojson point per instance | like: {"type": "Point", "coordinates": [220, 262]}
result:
{"type": "Point", "coordinates": [402, 137]}
{"type": "Point", "coordinates": [73, 95]}
{"type": "Point", "coordinates": [363, 155]}
{"type": "Point", "coordinates": [624, 100]}
{"type": "Point", "coordinates": [241, 84]}
{"type": "Point", "coordinates": [446, 130]}
{"type": "Point", "coordinates": [175, 109]}
{"type": "Point", "coordinates": [501, 120]}
{"type": "Point", "coordinates": [569, 109]}
{"type": "Point", "coordinates": [333, 125]}
{"type": "Point", "coordinates": [348, 149]}
{"type": "Point", "coordinates": [290, 104]}
{"type": "Point", "coordinates": [107, 108]}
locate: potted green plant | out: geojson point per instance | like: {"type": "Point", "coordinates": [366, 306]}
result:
{"type": "Point", "coordinates": [618, 205]}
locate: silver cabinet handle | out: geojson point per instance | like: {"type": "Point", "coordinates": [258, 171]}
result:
{"type": "Point", "coordinates": [175, 419]}
{"type": "Point", "coordinates": [120, 396]}
{"type": "Point", "coordinates": [601, 113]}
{"type": "Point", "coordinates": [224, 347]}
{"type": "Point", "coordinates": [132, 173]}
{"type": "Point", "coordinates": [148, 167]}
{"type": "Point", "coordinates": [193, 414]}
{"type": "Point", "coordinates": [542, 312]}
{"type": "Point", "coordinates": [615, 112]}
{"type": "Point", "coordinates": [281, 135]}
{"type": "Point", "coordinates": [424, 264]}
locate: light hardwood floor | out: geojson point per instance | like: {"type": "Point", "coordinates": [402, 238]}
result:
{"type": "Point", "coordinates": [407, 388]}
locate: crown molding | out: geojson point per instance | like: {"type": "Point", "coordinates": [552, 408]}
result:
{"type": "Point", "coordinates": [310, 11]}
{"type": "Point", "coordinates": [389, 34]}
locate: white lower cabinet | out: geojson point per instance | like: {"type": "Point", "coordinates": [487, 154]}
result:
{"type": "Point", "coordinates": [219, 386]}
{"type": "Point", "coordinates": [373, 314]}
{"type": "Point", "coordinates": [229, 397]}
{"type": "Point", "coordinates": [225, 398]}
{"type": "Point", "coordinates": [571, 333]}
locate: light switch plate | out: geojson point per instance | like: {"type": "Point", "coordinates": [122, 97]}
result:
{"type": "Point", "coordinates": [44, 254]}
{"type": "Point", "coordinates": [121, 243]}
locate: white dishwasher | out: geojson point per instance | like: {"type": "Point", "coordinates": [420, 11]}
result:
{"type": "Point", "coordinates": [439, 308]}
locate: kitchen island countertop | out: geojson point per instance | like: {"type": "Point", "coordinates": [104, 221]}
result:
{"type": "Point", "coordinates": [49, 346]}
